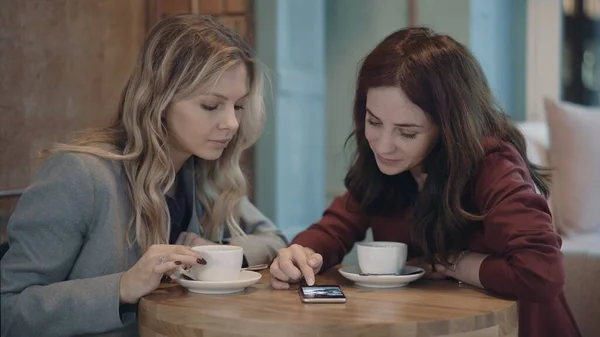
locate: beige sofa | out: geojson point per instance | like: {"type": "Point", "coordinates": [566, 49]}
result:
{"type": "Point", "coordinates": [581, 246]}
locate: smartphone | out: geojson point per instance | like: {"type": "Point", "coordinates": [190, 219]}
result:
{"type": "Point", "coordinates": [322, 294]}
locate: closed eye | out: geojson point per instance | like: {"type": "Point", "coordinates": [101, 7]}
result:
{"type": "Point", "coordinates": [402, 133]}
{"type": "Point", "coordinates": [210, 107]}
{"type": "Point", "coordinates": [372, 122]}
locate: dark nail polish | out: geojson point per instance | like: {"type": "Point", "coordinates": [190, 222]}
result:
{"type": "Point", "coordinates": [201, 261]}
{"type": "Point", "coordinates": [177, 262]}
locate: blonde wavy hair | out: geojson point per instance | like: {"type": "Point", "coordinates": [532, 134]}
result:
{"type": "Point", "coordinates": [181, 55]}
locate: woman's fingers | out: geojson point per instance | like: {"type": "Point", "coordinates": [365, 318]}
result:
{"type": "Point", "coordinates": [278, 284]}
{"type": "Point", "coordinates": [315, 261]}
{"type": "Point", "coordinates": [294, 263]}
{"type": "Point", "coordinates": [301, 261]}
{"type": "Point", "coordinates": [172, 255]}
{"type": "Point", "coordinates": [163, 268]}
{"type": "Point", "coordinates": [186, 260]}
{"type": "Point", "coordinates": [183, 250]}
{"type": "Point", "coordinates": [175, 262]}
{"type": "Point", "coordinates": [287, 266]}
{"type": "Point", "coordinates": [276, 271]}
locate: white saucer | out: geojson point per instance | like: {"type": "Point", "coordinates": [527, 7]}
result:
{"type": "Point", "coordinates": [381, 281]}
{"type": "Point", "coordinates": [246, 279]}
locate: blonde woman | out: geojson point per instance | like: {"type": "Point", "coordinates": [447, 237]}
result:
{"type": "Point", "coordinates": [113, 212]}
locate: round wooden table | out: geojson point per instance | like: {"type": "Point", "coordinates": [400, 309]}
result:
{"type": "Point", "coordinates": [423, 308]}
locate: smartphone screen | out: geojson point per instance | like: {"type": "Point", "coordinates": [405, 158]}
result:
{"type": "Point", "coordinates": [322, 294]}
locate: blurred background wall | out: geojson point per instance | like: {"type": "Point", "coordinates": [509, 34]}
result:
{"type": "Point", "coordinates": [63, 64]}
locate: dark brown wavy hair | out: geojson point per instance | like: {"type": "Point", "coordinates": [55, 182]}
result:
{"type": "Point", "coordinates": [444, 79]}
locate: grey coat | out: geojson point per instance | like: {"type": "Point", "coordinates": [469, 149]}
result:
{"type": "Point", "coordinates": [68, 249]}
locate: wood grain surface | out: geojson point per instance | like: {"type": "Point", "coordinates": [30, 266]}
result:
{"type": "Point", "coordinates": [424, 308]}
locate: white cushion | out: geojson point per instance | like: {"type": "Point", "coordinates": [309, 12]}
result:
{"type": "Point", "coordinates": [575, 158]}
{"type": "Point", "coordinates": [538, 142]}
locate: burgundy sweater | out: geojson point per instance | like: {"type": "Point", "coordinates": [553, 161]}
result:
{"type": "Point", "coordinates": [524, 262]}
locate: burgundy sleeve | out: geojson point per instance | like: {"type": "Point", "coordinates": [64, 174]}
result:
{"type": "Point", "coordinates": [335, 234]}
{"type": "Point", "coordinates": [526, 262]}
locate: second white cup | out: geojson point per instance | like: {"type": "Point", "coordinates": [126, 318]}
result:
{"type": "Point", "coordinates": [381, 257]}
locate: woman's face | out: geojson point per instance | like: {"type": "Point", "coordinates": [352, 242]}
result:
{"type": "Point", "coordinates": [400, 134]}
{"type": "Point", "coordinates": [203, 125]}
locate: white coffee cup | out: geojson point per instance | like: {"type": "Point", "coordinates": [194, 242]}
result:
{"type": "Point", "coordinates": [223, 263]}
{"type": "Point", "coordinates": [381, 257]}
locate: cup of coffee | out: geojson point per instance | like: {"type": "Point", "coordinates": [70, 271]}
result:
{"type": "Point", "coordinates": [223, 263]}
{"type": "Point", "coordinates": [381, 257]}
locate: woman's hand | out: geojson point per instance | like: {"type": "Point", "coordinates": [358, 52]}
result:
{"type": "Point", "coordinates": [465, 267]}
{"type": "Point", "coordinates": [144, 277]}
{"type": "Point", "coordinates": [437, 273]}
{"type": "Point", "coordinates": [294, 263]}
{"type": "Point", "coordinates": [192, 240]}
